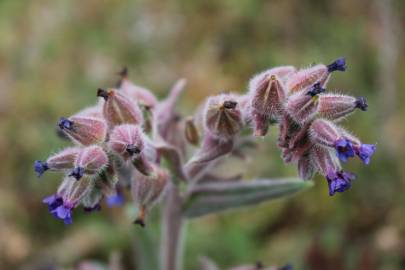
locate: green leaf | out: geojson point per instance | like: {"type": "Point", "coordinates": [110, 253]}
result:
{"type": "Point", "coordinates": [210, 198]}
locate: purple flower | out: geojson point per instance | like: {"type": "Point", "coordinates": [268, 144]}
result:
{"type": "Point", "coordinates": [361, 103]}
{"type": "Point", "coordinates": [339, 64]}
{"type": "Point", "coordinates": [365, 151]}
{"type": "Point", "coordinates": [315, 90]}
{"type": "Point", "coordinates": [344, 149]}
{"type": "Point", "coordinates": [59, 209]}
{"type": "Point", "coordinates": [115, 200]}
{"type": "Point", "coordinates": [339, 181]}
{"type": "Point", "coordinates": [40, 167]}
{"type": "Point", "coordinates": [65, 123]}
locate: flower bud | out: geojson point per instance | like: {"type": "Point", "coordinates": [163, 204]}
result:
{"type": "Point", "coordinates": [84, 130]}
{"type": "Point", "coordinates": [306, 170]}
{"type": "Point", "coordinates": [119, 108]}
{"type": "Point", "coordinates": [304, 78]}
{"type": "Point", "coordinates": [222, 116]}
{"type": "Point", "coordinates": [142, 95]}
{"type": "Point", "coordinates": [90, 161]}
{"type": "Point", "coordinates": [267, 99]}
{"type": "Point", "coordinates": [303, 106]}
{"type": "Point", "coordinates": [126, 140]}
{"type": "Point", "coordinates": [63, 160]}
{"type": "Point", "coordinates": [191, 132]}
{"type": "Point", "coordinates": [336, 107]}
{"type": "Point", "coordinates": [147, 190]}
{"type": "Point", "coordinates": [281, 72]}
{"type": "Point", "coordinates": [323, 159]}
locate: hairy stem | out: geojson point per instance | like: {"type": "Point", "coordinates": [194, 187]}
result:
{"type": "Point", "coordinates": [172, 230]}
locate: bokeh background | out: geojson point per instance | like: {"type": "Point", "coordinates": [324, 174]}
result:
{"type": "Point", "coordinates": [54, 54]}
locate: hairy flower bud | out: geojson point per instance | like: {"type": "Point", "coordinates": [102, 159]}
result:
{"type": "Point", "coordinates": [84, 130]}
{"type": "Point", "coordinates": [267, 99]}
{"type": "Point", "coordinates": [191, 133]}
{"type": "Point", "coordinates": [303, 106]}
{"type": "Point", "coordinates": [304, 78]}
{"type": "Point", "coordinates": [126, 140]}
{"type": "Point", "coordinates": [142, 95]}
{"type": "Point", "coordinates": [63, 160]}
{"type": "Point", "coordinates": [336, 107]}
{"type": "Point", "coordinates": [119, 108]}
{"type": "Point", "coordinates": [222, 116]}
{"type": "Point", "coordinates": [90, 160]}
{"type": "Point", "coordinates": [147, 190]}
{"type": "Point", "coordinates": [306, 170]}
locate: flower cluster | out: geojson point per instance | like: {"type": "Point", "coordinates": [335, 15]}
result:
{"type": "Point", "coordinates": [130, 140]}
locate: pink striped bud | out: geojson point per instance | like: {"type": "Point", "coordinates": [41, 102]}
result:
{"type": "Point", "coordinates": [84, 130]}
{"type": "Point", "coordinates": [336, 107]}
{"type": "Point", "coordinates": [306, 170]}
{"type": "Point", "coordinates": [64, 160]}
{"type": "Point", "coordinates": [222, 116]}
{"type": "Point", "coordinates": [281, 72]}
{"type": "Point", "coordinates": [305, 78]}
{"type": "Point", "coordinates": [303, 106]}
{"type": "Point", "coordinates": [119, 108]}
{"type": "Point", "coordinates": [324, 132]}
{"type": "Point", "coordinates": [324, 160]}
{"type": "Point", "coordinates": [89, 161]}
{"type": "Point", "coordinates": [147, 191]}
{"type": "Point", "coordinates": [126, 140]}
{"type": "Point", "coordinates": [267, 99]}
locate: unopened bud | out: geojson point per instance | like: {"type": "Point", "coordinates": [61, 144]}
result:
{"type": "Point", "coordinates": [191, 132]}
{"type": "Point", "coordinates": [267, 99]}
{"type": "Point", "coordinates": [303, 106]}
{"type": "Point", "coordinates": [90, 160]}
{"type": "Point", "coordinates": [147, 190]}
{"type": "Point", "coordinates": [222, 116]}
{"type": "Point", "coordinates": [306, 169]}
{"type": "Point", "coordinates": [119, 108]}
{"type": "Point", "coordinates": [63, 160]}
{"type": "Point", "coordinates": [126, 140]}
{"type": "Point", "coordinates": [324, 132]}
{"type": "Point", "coordinates": [83, 129]}
{"type": "Point", "coordinates": [323, 159]}
{"type": "Point", "coordinates": [336, 107]}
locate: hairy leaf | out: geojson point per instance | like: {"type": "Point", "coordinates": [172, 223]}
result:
{"type": "Point", "coordinates": [209, 198]}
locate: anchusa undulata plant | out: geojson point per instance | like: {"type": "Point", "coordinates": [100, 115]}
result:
{"type": "Point", "coordinates": [132, 141]}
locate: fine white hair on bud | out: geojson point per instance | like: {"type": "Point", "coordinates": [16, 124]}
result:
{"type": "Point", "coordinates": [222, 116]}
{"type": "Point", "coordinates": [336, 107]}
{"type": "Point", "coordinates": [126, 140]}
{"type": "Point", "coordinates": [90, 160]}
{"type": "Point", "coordinates": [84, 130]}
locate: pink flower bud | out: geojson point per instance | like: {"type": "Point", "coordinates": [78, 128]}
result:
{"type": "Point", "coordinates": [126, 140]}
{"type": "Point", "coordinates": [336, 107]}
{"type": "Point", "coordinates": [84, 130]}
{"type": "Point", "coordinates": [64, 160]}
{"type": "Point", "coordinates": [303, 106]}
{"type": "Point", "coordinates": [324, 160]}
{"type": "Point", "coordinates": [306, 169]}
{"type": "Point", "coordinates": [90, 160]}
{"type": "Point", "coordinates": [119, 108]}
{"type": "Point", "coordinates": [267, 99]}
{"type": "Point", "coordinates": [222, 116]}
{"type": "Point", "coordinates": [147, 190]}
{"type": "Point", "coordinates": [324, 132]}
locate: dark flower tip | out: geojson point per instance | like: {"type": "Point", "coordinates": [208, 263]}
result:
{"type": "Point", "coordinates": [65, 123]}
{"type": "Point", "coordinates": [40, 167]}
{"type": "Point", "coordinates": [365, 151]}
{"type": "Point", "coordinates": [339, 64]}
{"type": "Point", "coordinates": [77, 173]}
{"type": "Point", "coordinates": [361, 103]}
{"type": "Point", "coordinates": [229, 104]}
{"type": "Point", "coordinates": [140, 222]}
{"type": "Point", "coordinates": [286, 267]}
{"type": "Point", "coordinates": [344, 149]}
{"type": "Point", "coordinates": [315, 90]}
{"type": "Point", "coordinates": [132, 149]}
{"type": "Point", "coordinates": [102, 93]}
{"type": "Point", "coordinates": [95, 208]}
{"type": "Point", "coordinates": [123, 72]}
{"type": "Point", "coordinates": [339, 181]}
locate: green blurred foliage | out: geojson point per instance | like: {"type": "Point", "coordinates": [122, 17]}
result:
{"type": "Point", "coordinates": [55, 54]}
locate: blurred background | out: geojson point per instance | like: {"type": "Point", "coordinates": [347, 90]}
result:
{"type": "Point", "coordinates": [54, 54]}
